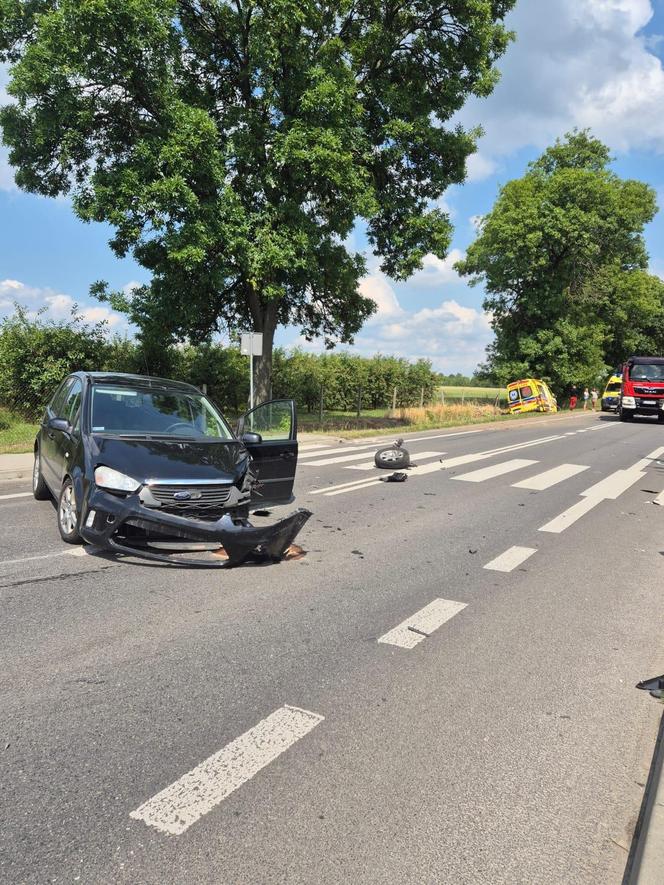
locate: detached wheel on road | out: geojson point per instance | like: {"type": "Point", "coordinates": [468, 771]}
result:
{"type": "Point", "coordinates": [39, 487]}
{"type": "Point", "coordinates": [68, 515]}
{"type": "Point", "coordinates": [392, 458]}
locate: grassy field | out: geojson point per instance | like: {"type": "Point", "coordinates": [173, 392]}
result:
{"type": "Point", "coordinates": [485, 394]}
{"type": "Point", "coordinates": [16, 435]}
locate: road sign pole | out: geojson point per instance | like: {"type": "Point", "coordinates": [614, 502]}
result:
{"type": "Point", "coordinates": [251, 371]}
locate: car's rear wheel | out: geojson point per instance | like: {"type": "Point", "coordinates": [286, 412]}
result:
{"type": "Point", "coordinates": [39, 487]}
{"type": "Point", "coordinates": [68, 516]}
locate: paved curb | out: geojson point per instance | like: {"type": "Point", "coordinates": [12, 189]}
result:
{"type": "Point", "coordinates": [645, 864]}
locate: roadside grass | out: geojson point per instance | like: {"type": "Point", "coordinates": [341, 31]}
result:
{"type": "Point", "coordinates": [16, 434]}
{"type": "Point", "coordinates": [349, 426]}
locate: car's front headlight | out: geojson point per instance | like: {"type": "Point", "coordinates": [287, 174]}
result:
{"type": "Point", "coordinates": [107, 478]}
{"type": "Point", "coordinates": [628, 402]}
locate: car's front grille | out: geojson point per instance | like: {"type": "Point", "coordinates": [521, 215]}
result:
{"type": "Point", "coordinates": [199, 501]}
{"type": "Point", "coordinates": [648, 391]}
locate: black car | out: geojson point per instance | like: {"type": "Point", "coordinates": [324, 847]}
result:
{"type": "Point", "coordinates": [150, 467]}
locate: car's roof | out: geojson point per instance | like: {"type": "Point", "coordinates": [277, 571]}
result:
{"type": "Point", "coordinates": [128, 380]}
{"type": "Point", "coordinates": [646, 360]}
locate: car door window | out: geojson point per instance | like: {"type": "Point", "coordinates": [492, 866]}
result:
{"type": "Point", "coordinates": [72, 404]}
{"type": "Point", "coordinates": [57, 404]}
{"type": "Point", "coordinates": [274, 420]}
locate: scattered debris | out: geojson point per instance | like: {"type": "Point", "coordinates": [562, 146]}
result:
{"type": "Point", "coordinates": [357, 553]}
{"type": "Point", "coordinates": [419, 632]}
{"type": "Point", "coordinates": [654, 686]}
{"type": "Point", "coordinates": [262, 512]}
{"type": "Point", "coordinates": [472, 551]}
{"type": "Point", "coordinates": [395, 477]}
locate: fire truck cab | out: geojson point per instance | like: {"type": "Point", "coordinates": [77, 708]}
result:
{"type": "Point", "coordinates": [642, 391]}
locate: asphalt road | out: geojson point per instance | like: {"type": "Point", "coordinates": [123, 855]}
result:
{"type": "Point", "coordinates": [339, 724]}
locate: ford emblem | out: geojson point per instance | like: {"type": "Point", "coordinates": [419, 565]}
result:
{"type": "Point", "coordinates": [182, 496]}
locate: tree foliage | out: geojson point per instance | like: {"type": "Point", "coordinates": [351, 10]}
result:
{"type": "Point", "coordinates": [563, 262]}
{"type": "Point", "coordinates": [233, 145]}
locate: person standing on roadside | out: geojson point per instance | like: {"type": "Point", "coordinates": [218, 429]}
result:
{"type": "Point", "coordinates": [586, 397]}
{"type": "Point", "coordinates": [573, 397]}
{"type": "Point", "coordinates": [594, 396]}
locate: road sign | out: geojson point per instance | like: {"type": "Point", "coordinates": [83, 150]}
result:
{"type": "Point", "coordinates": [251, 344]}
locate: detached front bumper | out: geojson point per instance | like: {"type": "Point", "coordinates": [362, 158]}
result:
{"type": "Point", "coordinates": [106, 518]}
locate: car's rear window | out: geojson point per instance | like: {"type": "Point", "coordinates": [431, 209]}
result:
{"type": "Point", "coordinates": [526, 391]}
{"type": "Point", "coordinates": [127, 411]}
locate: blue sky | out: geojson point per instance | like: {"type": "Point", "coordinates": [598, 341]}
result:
{"type": "Point", "coordinates": [594, 63]}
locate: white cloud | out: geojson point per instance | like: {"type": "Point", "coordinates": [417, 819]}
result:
{"type": "Point", "coordinates": [377, 288]}
{"type": "Point", "coordinates": [479, 167]}
{"type": "Point", "coordinates": [437, 271]}
{"type": "Point", "coordinates": [575, 63]}
{"type": "Point", "coordinates": [55, 305]}
{"type": "Point", "coordinates": [454, 337]}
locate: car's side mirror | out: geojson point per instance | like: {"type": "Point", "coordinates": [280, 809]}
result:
{"type": "Point", "coordinates": [252, 439]}
{"type": "Point", "coordinates": [60, 424]}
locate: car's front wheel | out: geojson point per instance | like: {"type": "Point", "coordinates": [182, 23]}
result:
{"type": "Point", "coordinates": [68, 516]}
{"type": "Point", "coordinates": [39, 487]}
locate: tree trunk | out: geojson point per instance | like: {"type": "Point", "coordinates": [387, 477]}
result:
{"type": "Point", "coordinates": [266, 323]}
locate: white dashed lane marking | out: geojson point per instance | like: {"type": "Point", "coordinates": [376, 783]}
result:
{"type": "Point", "coordinates": [550, 477]}
{"type": "Point", "coordinates": [422, 624]}
{"type": "Point", "coordinates": [510, 559]}
{"type": "Point", "coordinates": [501, 469]}
{"type": "Point", "coordinates": [16, 495]}
{"type": "Point", "coordinates": [180, 805]}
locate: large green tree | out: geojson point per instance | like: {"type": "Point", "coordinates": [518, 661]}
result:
{"type": "Point", "coordinates": [563, 262]}
{"type": "Point", "coordinates": [233, 144]}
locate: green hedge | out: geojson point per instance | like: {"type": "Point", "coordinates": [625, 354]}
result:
{"type": "Point", "coordinates": [36, 354]}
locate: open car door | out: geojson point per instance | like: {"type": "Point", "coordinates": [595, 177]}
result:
{"type": "Point", "coordinates": [269, 432]}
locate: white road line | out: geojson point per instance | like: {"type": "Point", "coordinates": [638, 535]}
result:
{"type": "Point", "coordinates": [510, 559]}
{"type": "Point", "coordinates": [570, 516]}
{"type": "Point", "coordinates": [355, 487]}
{"type": "Point", "coordinates": [16, 495]}
{"type": "Point", "coordinates": [340, 450]}
{"type": "Point", "coordinates": [614, 485]}
{"type": "Point", "coordinates": [423, 623]}
{"type": "Point", "coordinates": [77, 551]}
{"type": "Point", "coordinates": [341, 459]}
{"type": "Point", "coordinates": [549, 478]}
{"type": "Point", "coordinates": [177, 807]}
{"type": "Point", "coordinates": [344, 485]}
{"type": "Point", "coordinates": [489, 453]}
{"type": "Point", "coordinates": [418, 456]}
{"type": "Point", "coordinates": [485, 473]}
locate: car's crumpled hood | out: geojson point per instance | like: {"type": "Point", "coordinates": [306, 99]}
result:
{"type": "Point", "coordinates": [161, 459]}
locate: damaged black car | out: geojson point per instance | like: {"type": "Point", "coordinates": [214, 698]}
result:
{"type": "Point", "coordinates": [149, 467]}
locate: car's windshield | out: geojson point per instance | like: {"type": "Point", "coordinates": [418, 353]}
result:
{"type": "Point", "coordinates": [613, 388]}
{"type": "Point", "coordinates": [647, 372]}
{"type": "Point", "coordinates": [123, 411]}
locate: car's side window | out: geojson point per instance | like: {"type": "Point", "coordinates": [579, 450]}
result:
{"type": "Point", "coordinates": [72, 406]}
{"type": "Point", "coordinates": [56, 406]}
